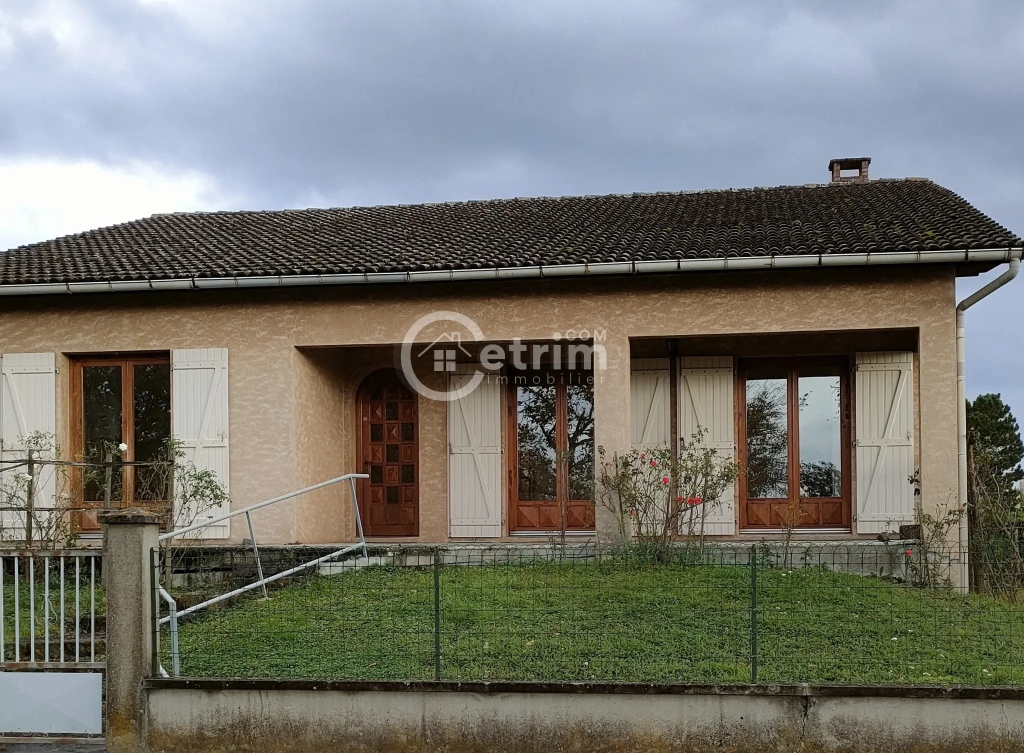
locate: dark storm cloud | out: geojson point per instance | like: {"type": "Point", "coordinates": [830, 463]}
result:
{"type": "Point", "coordinates": [398, 102]}
{"type": "Point", "coordinates": [303, 102]}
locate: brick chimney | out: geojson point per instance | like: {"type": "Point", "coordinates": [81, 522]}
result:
{"type": "Point", "coordinates": [848, 164]}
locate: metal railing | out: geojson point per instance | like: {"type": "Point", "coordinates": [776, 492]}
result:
{"type": "Point", "coordinates": [174, 615]}
{"type": "Point", "coordinates": [34, 523]}
{"type": "Point", "coordinates": [51, 609]}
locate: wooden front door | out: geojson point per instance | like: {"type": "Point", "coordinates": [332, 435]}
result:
{"type": "Point", "coordinates": [389, 452]}
{"type": "Point", "coordinates": [552, 470]}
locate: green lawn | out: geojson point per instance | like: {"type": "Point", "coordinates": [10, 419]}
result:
{"type": "Point", "coordinates": [609, 622]}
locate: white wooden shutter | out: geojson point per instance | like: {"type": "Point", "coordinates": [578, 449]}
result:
{"type": "Point", "coordinates": [885, 441]}
{"type": "Point", "coordinates": [651, 424]}
{"type": "Point", "coordinates": [649, 404]}
{"type": "Point", "coordinates": [28, 404]}
{"type": "Point", "coordinates": [474, 460]}
{"type": "Point", "coordinates": [199, 420]}
{"type": "Point", "coordinates": [706, 402]}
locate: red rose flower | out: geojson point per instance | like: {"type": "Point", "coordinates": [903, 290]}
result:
{"type": "Point", "coordinates": [664, 479]}
{"type": "Point", "coordinates": [910, 552]}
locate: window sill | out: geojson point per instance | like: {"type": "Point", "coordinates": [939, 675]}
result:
{"type": "Point", "coordinates": [552, 532]}
{"type": "Point", "coordinates": [804, 534]}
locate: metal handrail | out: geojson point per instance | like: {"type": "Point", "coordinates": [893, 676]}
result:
{"type": "Point", "coordinates": [15, 463]}
{"type": "Point", "coordinates": [172, 608]}
{"type": "Point", "coordinates": [351, 477]}
{"type": "Point", "coordinates": [261, 582]}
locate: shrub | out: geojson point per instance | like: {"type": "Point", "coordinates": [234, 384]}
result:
{"type": "Point", "coordinates": [659, 497]}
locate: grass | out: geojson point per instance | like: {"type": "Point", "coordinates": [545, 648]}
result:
{"type": "Point", "coordinates": [610, 623]}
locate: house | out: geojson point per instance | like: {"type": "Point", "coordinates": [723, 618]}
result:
{"type": "Point", "coordinates": [471, 356]}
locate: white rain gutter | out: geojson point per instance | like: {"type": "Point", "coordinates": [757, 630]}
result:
{"type": "Point", "coordinates": [961, 407]}
{"type": "Point", "coordinates": [993, 255]}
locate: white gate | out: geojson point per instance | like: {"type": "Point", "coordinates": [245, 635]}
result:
{"type": "Point", "coordinates": [52, 643]}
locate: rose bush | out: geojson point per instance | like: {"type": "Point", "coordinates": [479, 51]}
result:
{"type": "Point", "coordinates": [661, 498]}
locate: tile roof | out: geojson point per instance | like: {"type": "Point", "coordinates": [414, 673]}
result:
{"type": "Point", "coordinates": [877, 216]}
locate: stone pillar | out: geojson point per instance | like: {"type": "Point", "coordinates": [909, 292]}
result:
{"type": "Point", "coordinates": [131, 537]}
{"type": "Point", "coordinates": [611, 417]}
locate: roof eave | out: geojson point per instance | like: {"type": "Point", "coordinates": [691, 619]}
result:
{"type": "Point", "coordinates": [990, 256]}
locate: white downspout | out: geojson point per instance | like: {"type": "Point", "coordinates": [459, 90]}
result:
{"type": "Point", "coordinates": [961, 408]}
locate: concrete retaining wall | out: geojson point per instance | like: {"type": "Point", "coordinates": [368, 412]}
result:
{"type": "Point", "coordinates": [212, 715]}
{"type": "Point", "coordinates": [235, 566]}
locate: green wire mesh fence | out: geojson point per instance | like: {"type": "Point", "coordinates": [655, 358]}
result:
{"type": "Point", "coordinates": [853, 614]}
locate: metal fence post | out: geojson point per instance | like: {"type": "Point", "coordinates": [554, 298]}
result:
{"type": "Point", "coordinates": [256, 554]}
{"type": "Point", "coordinates": [154, 585]}
{"type": "Point", "coordinates": [437, 615]}
{"type": "Point", "coordinates": [30, 499]}
{"type": "Point", "coordinates": [753, 614]}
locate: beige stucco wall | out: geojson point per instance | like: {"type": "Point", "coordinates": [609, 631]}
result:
{"type": "Point", "coordinates": [296, 358]}
{"type": "Point", "coordinates": [327, 380]}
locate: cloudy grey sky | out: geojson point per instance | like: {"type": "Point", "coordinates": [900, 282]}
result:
{"type": "Point", "coordinates": [114, 109]}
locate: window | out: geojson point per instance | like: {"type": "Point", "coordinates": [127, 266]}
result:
{"type": "Point", "coordinates": [115, 401]}
{"type": "Point", "coordinates": [553, 463]}
{"type": "Point", "coordinates": [795, 443]}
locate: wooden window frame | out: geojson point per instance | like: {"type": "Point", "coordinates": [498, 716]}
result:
{"type": "Point", "coordinates": [796, 367]}
{"type": "Point", "coordinates": [77, 404]}
{"type": "Point", "coordinates": [562, 484]}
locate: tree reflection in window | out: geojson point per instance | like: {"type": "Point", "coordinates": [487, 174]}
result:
{"type": "Point", "coordinates": [142, 391]}
{"type": "Point", "coordinates": [152, 426]}
{"type": "Point", "coordinates": [537, 456]}
{"type": "Point", "coordinates": [101, 397]}
{"type": "Point", "coordinates": [767, 439]}
{"type": "Point", "coordinates": [580, 447]}
{"type": "Point", "coordinates": [820, 437]}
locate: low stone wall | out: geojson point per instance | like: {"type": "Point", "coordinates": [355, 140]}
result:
{"type": "Point", "coordinates": [315, 717]}
{"type": "Point", "coordinates": [233, 566]}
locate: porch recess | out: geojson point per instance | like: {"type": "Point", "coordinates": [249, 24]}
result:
{"type": "Point", "coordinates": [874, 469]}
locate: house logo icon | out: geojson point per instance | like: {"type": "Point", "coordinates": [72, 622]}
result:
{"type": "Point", "coordinates": [444, 354]}
{"type": "Point", "coordinates": [446, 351]}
